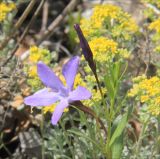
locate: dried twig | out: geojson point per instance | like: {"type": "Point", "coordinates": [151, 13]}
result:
{"type": "Point", "coordinates": [155, 9]}
{"type": "Point", "coordinates": [65, 50]}
{"type": "Point", "coordinates": [24, 33]}
{"type": "Point", "coordinates": [25, 14]}
{"type": "Point", "coordinates": [47, 33]}
{"type": "Point", "coordinates": [45, 16]}
{"type": "Point", "coordinates": [101, 2]}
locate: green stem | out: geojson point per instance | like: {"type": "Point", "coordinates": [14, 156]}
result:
{"type": "Point", "coordinates": [139, 142]}
{"type": "Point", "coordinates": [67, 138]}
{"type": "Point", "coordinates": [2, 144]}
{"type": "Point", "coordinates": [158, 147]}
{"type": "Point", "coordinates": [108, 149]}
{"type": "Point", "coordinates": [121, 104]}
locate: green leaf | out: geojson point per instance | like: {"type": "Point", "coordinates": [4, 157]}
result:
{"type": "Point", "coordinates": [109, 86]}
{"type": "Point", "coordinates": [83, 119]}
{"type": "Point", "coordinates": [86, 137]}
{"type": "Point", "coordinates": [119, 129]}
{"type": "Point", "coordinates": [121, 125]}
{"type": "Point", "coordinates": [117, 147]}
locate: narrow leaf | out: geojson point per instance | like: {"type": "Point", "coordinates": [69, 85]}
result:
{"type": "Point", "coordinates": [118, 131]}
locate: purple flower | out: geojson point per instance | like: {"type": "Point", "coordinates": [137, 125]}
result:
{"type": "Point", "coordinates": [56, 91]}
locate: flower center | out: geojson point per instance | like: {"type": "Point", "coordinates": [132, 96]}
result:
{"type": "Point", "coordinates": [64, 92]}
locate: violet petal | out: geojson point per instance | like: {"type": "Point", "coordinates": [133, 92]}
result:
{"type": "Point", "coordinates": [59, 111]}
{"type": "Point", "coordinates": [41, 98]}
{"type": "Point", "coordinates": [48, 77]}
{"type": "Point", "coordinates": [69, 71]}
{"type": "Point", "coordinates": [80, 93]}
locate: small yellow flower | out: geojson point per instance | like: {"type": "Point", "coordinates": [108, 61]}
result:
{"type": "Point", "coordinates": [109, 18]}
{"type": "Point", "coordinates": [154, 110]}
{"type": "Point", "coordinates": [61, 77]}
{"type": "Point", "coordinates": [101, 12]}
{"type": "Point", "coordinates": [37, 54]}
{"type": "Point", "coordinates": [32, 71]}
{"type": "Point", "coordinates": [139, 78]}
{"type": "Point", "coordinates": [103, 49]}
{"type": "Point", "coordinates": [134, 91]}
{"type": "Point", "coordinates": [34, 49]}
{"type": "Point", "coordinates": [79, 81]}
{"type": "Point", "coordinates": [34, 54]}
{"type": "Point", "coordinates": [144, 98]}
{"type": "Point", "coordinates": [148, 92]}
{"type": "Point", "coordinates": [157, 101]}
{"type": "Point", "coordinates": [90, 78]}
{"type": "Point", "coordinates": [35, 58]}
{"type": "Point", "coordinates": [96, 97]}
{"type": "Point", "coordinates": [157, 49]}
{"type": "Point", "coordinates": [155, 25]}
{"type": "Point", "coordinates": [123, 53]}
{"type": "Point", "coordinates": [51, 108]}
{"type": "Point", "coordinates": [5, 9]}
{"type": "Point", "coordinates": [87, 28]}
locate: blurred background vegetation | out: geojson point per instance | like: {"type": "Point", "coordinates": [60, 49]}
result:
{"type": "Point", "coordinates": [34, 30]}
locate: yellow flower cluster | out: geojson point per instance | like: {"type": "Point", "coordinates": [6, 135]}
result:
{"type": "Point", "coordinates": [87, 27]}
{"type": "Point", "coordinates": [106, 30]}
{"type": "Point", "coordinates": [96, 98]}
{"type": "Point", "coordinates": [5, 9]}
{"type": "Point", "coordinates": [108, 18]}
{"type": "Point", "coordinates": [51, 108]}
{"type": "Point", "coordinates": [147, 91]}
{"type": "Point", "coordinates": [79, 81]}
{"type": "Point", "coordinates": [36, 54]}
{"type": "Point", "coordinates": [89, 82]}
{"type": "Point", "coordinates": [129, 25]}
{"type": "Point", "coordinates": [32, 72]}
{"type": "Point", "coordinates": [155, 25]}
{"type": "Point", "coordinates": [103, 47]}
{"type": "Point", "coordinates": [101, 12]}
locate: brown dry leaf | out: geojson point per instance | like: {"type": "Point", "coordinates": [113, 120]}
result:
{"type": "Point", "coordinates": [26, 91]}
{"type": "Point", "coordinates": [25, 124]}
{"type": "Point", "coordinates": [136, 125]}
{"type": "Point", "coordinates": [24, 88]}
{"type": "Point", "coordinates": [4, 94]}
{"type": "Point", "coordinates": [28, 41]}
{"type": "Point", "coordinates": [21, 81]}
{"type": "Point", "coordinates": [17, 101]}
{"type": "Point", "coordinates": [21, 50]}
